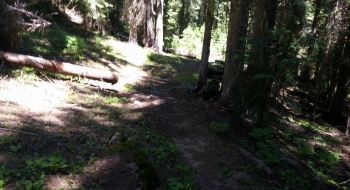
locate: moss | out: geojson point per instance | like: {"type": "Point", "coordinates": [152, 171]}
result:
{"type": "Point", "coordinates": [147, 175]}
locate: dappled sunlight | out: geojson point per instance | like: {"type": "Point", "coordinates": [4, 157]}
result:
{"type": "Point", "coordinates": [41, 100]}
{"type": "Point", "coordinates": [133, 54]}
{"type": "Point", "coordinates": [128, 75]}
{"type": "Point", "coordinates": [136, 57]}
{"type": "Point", "coordinates": [62, 182]}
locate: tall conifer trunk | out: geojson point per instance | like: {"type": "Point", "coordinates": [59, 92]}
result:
{"type": "Point", "coordinates": [237, 32]}
{"type": "Point", "coordinates": [158, 45]}
{"type": "Point", "coordinates": [259, 68]}
{"type": "Point", "coordinates": [150, 25]}
{"type": "Point", "coordinates": [209, 20]}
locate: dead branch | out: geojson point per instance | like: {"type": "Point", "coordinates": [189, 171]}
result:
{"type": "Point", "coordinates": [344, 182]}
{"type": "Point", "coordinates": [157, 79]}
{"type": "Point", "coordinates": [14, 130]}
{"type": "Point", "coordinates": [260, 163]}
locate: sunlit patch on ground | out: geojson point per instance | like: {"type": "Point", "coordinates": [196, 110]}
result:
{"type": "Point", "coordinates": [42, 100]}
{"type": "Point", "coordinates": [136, 58]}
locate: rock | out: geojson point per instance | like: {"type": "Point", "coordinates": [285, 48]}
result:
{"type": "Point", "coordinates": [158, 102]}
{"type": "Point", "coordinates": [116, 138]}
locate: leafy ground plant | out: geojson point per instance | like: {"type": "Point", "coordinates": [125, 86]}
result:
{"type": "Point", "coordinates": [219, 127]}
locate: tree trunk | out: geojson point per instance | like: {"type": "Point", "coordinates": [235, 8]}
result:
{"type": "Point", "coordinates": [58, 67]}
{"type": "Point", "coordinates": [237, 33]}
{"type": "Point", "coordinates": [181, 17]}
{"type": "Point", "coordinates": [324, 62]}
{"type": "Point", "coordinates": [264, 19]}
{"type": "Point", "coordinates": [150, 25]}
{"type": "Point", "coordinates": [206, 44]}
{"type": "Point", "coordinates": [142, 34]}
{"type": "Point", "coordinates": [10, 28]}
{"type": "Point", "coordinates": [86, 24]}
{"type": "Point", "coordinates": [342, 81]}
{"type": "Point", "coordinates": [133, 34]}
{"type": "Point", "coordinates": [158, 45]}
{"type": "Point", "coordinates": [305, 71]}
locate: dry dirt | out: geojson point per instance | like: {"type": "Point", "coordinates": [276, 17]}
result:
{"type": "Point", "coordinates": [71, 119]}
{"type": "Point", "coordinates": [50, 116]}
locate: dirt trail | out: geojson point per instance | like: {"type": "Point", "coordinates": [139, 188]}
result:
{"type": "Point", "coordinates": [182, 116]}
{"type": "Point", "coordinates": [66, 109]}
{"type": "Point", "coordinates": [186, 120]}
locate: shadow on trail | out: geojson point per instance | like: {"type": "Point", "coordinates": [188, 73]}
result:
{"type": "Point", "coordinates": [72, 153]}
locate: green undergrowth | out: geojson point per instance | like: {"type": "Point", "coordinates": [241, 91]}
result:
{"type": "Point", "coordinates": [30, 170]}
{"type": "Point", "coordinates": [31, 160]}
{"type": "Point", "coordinates": [163, 154]}
{"type": "Point", "coordinates": [68, 149]}
{"type": "Point", "coordinates": [59, 41]}
{"type": "Point", "coordinates": [167, 65]}
{"type": "Point", "coordinates": [299, 160]}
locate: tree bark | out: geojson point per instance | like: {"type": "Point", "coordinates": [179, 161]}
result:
{"type": "Point", "coordinates": [206, 44]}
{"type": "Point", "coordinates": [133, 34]}
{"type": "Point", "coordinates": [158, 44]}
{"type": "Point", "coordinates": [341, 82]}
{"type": "Point", "coordinates": [305, 71]}
{"type": "Point", "coordinates": [236, 36]}
{"type": "Point", "coordinates": [58, 67]}
{"type": "Point", "coordinates": [150, 25]}
{"type": "Point", "coordinates": [264, 19]}
{"type": "Point", "coordinates": [181, 17]}
{"type": "Point", "coordinates": [142, 34]}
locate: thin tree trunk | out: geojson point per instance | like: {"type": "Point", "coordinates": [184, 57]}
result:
{"type": "Point", "coordinates": [150, 25]}
{"type": "Point", "coordinates": [206, 44]}
{"type": "Point", "coordinates": [181, 17]}
{"type": "Point", "coordinates": [158, 45]}
{"type": "Point", "coordinates": [305, 73]}
{"type": "Point", "coordinates": [342, 81]}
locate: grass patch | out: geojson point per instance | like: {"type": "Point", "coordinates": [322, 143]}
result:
{"type": "Point", "coordinates": [129, 87]}
{"type": "Point", "coordinates": [161, 75]}
{"type": "Point", "coordinates": [186, 77]}
{"type": "Point", "coordinates": [219, 127]}
{"type": "Point", "coordinates": [76, 47]}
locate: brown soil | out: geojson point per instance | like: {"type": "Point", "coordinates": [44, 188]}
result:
{"type": "Point", "coordinates": [71, 119]}
{"type": "Point", "coordinates": [52, 117]}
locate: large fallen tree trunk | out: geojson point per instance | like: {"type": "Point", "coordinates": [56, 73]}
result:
{"type": "Point", "coordinates": [58, 67]}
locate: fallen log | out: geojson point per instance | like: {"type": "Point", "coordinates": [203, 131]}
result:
{"type": "Point", "coordinates": [259, 162]}
{"type": "Point", "coordinates": [58, 67]}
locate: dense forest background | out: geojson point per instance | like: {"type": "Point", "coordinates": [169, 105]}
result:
{"type": "Point", "coordinates": [267, 46]}
{"type": "Point", "coordinates": [280, 62]}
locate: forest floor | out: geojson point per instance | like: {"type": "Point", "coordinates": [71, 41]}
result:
{"type": "Point", "coordinates": [68, 125]}
{"type": "Point", "coordinates": [54, 132]}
